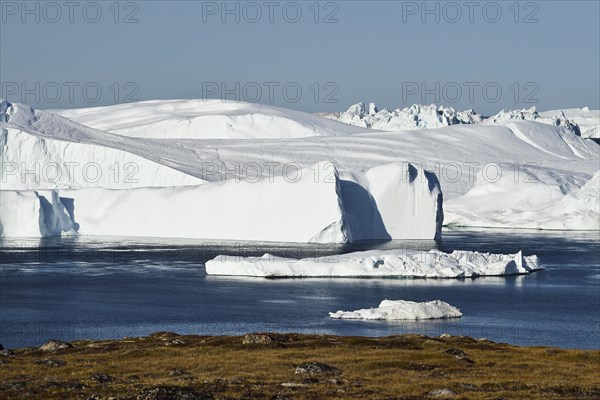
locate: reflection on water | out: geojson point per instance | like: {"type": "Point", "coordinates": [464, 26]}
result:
{"type": "Point", "coordinates": [76, 287]}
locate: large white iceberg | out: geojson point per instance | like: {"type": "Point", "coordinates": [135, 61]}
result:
{"type": "Point", "coordinates": [454, 153]}
{"type": "Point", "coordinates": [375, 263]}
{"type": "Point", "coordinates": [402, 310]}
{"type": "Point", "coordinates": [397, 201]}
{"type": "Point", "coordinates": [34, 143]}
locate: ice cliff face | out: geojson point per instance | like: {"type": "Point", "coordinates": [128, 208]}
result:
{"type": "Point", "coordinates": [393, 201]}
{"type": "Point", "coordinates": [311, 205]}
{"type": "Point", "coordinates": [33, 214]}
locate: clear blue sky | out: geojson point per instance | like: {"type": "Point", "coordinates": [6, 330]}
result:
{"type": "Point", "coordinates": [378, 51]}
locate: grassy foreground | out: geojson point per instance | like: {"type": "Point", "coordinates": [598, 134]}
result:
{"type": "Point", "coordinates": [263, 366]}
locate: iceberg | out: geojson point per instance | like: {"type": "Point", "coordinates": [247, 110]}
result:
{"type": "Point", "coordinates": [588, 121]}
{"type": "Point", "coordinates": [305, 209]}
{"type": "Point", "coordinates": [31, 162]}
{"type": "Point", "coordinates": [580, 121]}
{"type": "Point", "coordinates": [529, 204]}
{"type": "Point", "coordinates": [40, 150]}
{"type": "Point", "coordinates": [312, 205]}
{"type": "Point", "coordinates": [218, 160]}
{"type": "Point", "coordinates": [404, 263]}
{"type": "Point", "coordinates": [402, 310]}
{"type": "Point", "coordinates": [414, 117]}
{"type": "Point", "coordinates": [392, 201]}
{"type": "Point", "coordinates": [531, 114]}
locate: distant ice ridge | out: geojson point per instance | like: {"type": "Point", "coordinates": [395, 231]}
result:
{"type": "Point", "coordinates": [587, 120]}
{"type": "Point", "coordinates": [582, 121]}
{"type": "Point", "coordinates": [375, 263]}
{"type": "Point", "coordinates": [397, 201]}
{"type": "Point", "coordinates": [413, 117]}
{"type": "Point", "coordinates": [556, 118]}
{"type": "Point", "coordinates": [402, 310]}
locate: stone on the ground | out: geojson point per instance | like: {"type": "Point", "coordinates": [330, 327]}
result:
{"type": "Point", "coordinates": [316, 368]}
{"type": "Point", "coordinates": [444, 392]}
{"type": "Point", "coordinates": [54, 345]}
{"type": "Point", "coordinates": [257, 338]}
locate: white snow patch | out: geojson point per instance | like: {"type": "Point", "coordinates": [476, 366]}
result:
{"type": "Point", "coordinates": [374, 263]}
{"type": "Point", "coordinates": [402, 310]}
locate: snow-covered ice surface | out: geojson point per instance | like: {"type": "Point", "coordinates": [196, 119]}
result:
{"type": "Point", "coordinates": [204, 119]}
{"type": "Point", "coordinates": [402, 310]}
{"type": "Point", "coordinates": [530, 205]}
{"type": "Point", "coordinates": [74, 159]}
{"type": "Point", "coordinates": [465, 159]}
{"type": "Point", "coordinates": [376, 263]}
{"type": "Point", "coordinates": [447, 148]}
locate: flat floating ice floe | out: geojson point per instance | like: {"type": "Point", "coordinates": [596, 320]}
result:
{"type": "Point", "coordinates": [395, 263]}
{"type": "Point", "coordinates": [402, 310]}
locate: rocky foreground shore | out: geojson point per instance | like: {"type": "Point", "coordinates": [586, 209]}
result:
{"type": "Point", "coordinates": [166, 366]}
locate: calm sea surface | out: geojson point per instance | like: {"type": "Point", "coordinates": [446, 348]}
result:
{"type": "Point", "coordinates": [96, 288]}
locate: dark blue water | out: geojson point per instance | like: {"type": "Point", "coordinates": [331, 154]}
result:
{"type": "Point", "coordinates": [74, 288]}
